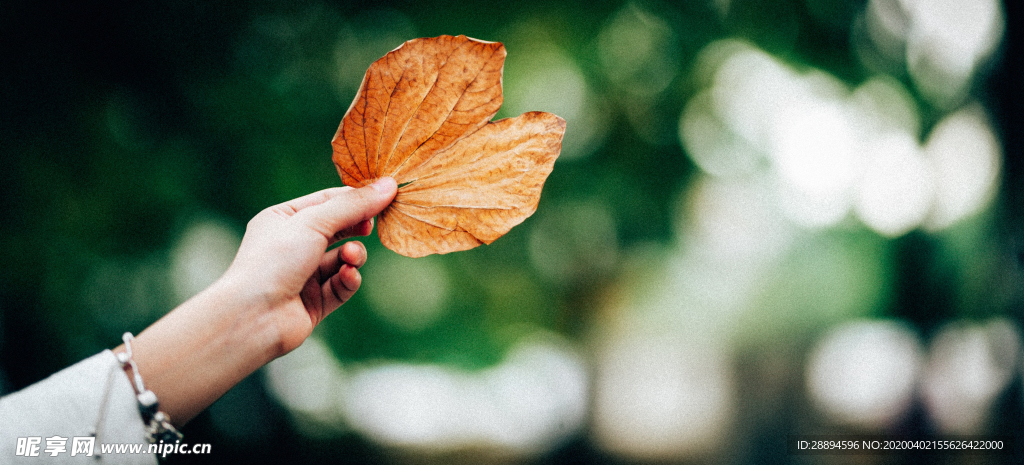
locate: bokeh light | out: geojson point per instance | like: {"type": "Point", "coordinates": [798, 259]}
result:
{"type": "Point", "coordinates": [544, 78]}
{"type": "Point", "coordinates": [941, 44]}
{"type": "Point", "coordinates": [897, 187]}
{"type": "Point", "coordinates": [800, 123]}
{"type": "Point", "coordinates": [311, 383]}
{"type": "Point", "coordinates": [965, 154]}
{"type": "Point", "coordinates": [657, 398]}
{"type": "Point", "coordinates": [202, 253]}
{"type": "Point", "coordinates": [711, 145]}
{"type": "Point", "coordinates": [864, 373]}
{"type": "Point", "coordinates": [638, 51]}
{"type": "Point", "coordinates": [734, 222]}
{"type": "Point", "coordinates": [968, 366]}
{"type": "Point", "coordinates": [832, 150]}
{"type": "Point", "coordinates": [529, 402]}
{"type": "Point", "coordinates": [946, 41]}
{"type": "Point", "coordinates": [418, 301]}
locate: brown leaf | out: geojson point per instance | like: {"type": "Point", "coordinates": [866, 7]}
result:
{"type": "Point", "coordinates": [422, 116]}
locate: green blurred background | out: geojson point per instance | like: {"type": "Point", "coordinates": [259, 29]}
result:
{"type": "Point", "coordinates": [769, 218]}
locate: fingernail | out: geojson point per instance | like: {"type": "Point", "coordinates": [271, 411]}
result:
{"type": "Point", "coordinates": [382, 184]}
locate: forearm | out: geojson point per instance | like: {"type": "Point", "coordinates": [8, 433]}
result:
{"type": "Point", "coordinates": [195, 353]}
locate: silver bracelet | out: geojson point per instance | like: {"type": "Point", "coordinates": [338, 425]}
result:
{"type": "Point", "coordinates": [158, 424]}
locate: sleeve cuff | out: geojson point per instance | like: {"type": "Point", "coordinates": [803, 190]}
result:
{"type": "Point", "coordinates": [90, 398]}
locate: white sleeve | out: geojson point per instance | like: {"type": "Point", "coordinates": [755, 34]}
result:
{"type": "Point", "coordinates": [90, 399]}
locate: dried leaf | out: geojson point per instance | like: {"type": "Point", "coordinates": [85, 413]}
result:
{"type": "Point", "coordinates": [422, 116]}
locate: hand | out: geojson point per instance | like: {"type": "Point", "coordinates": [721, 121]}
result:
{"type": "Point", "coordinates": [282, 283]}
{"type": "Point", "coordinates": [284, 254]}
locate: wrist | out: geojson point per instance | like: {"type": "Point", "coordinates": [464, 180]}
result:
{"type": "Point", "coordinates": [202, 348]}
{"type": "Point", "coordinates": [245, 321]}
{"type": "Point", "coordinates": [278, 319]}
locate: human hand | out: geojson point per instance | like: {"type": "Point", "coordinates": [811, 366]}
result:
{"type": "Point", "coordinates": [283, 259]}
{"type": "Point", "coordinates": [282, 283]}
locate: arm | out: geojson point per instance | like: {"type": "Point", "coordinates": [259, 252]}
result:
{"type": "Point", "coordinates": [281, 284]}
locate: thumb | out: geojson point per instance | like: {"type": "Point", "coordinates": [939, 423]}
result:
{"type": "Point", "coordinates": [349, 207]}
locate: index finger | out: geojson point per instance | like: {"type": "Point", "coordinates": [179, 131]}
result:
{"type": "Point", "coordinates": [362, 228]}
{"type": "Point", "coordinates": [315, 198]}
